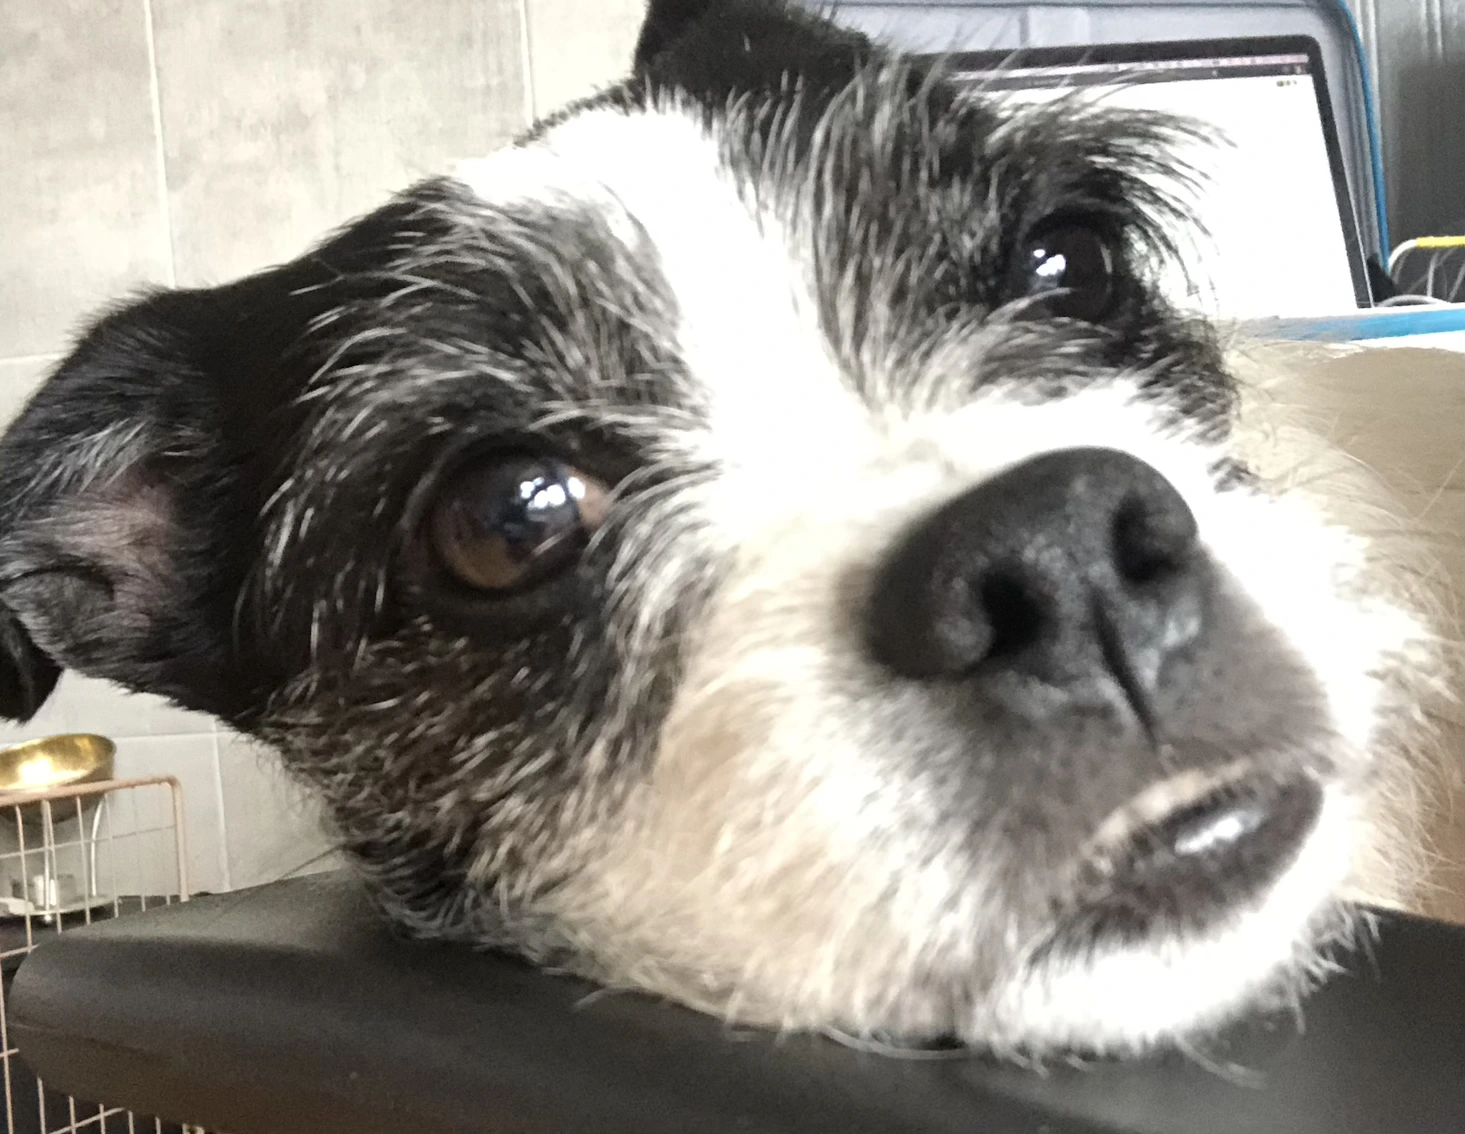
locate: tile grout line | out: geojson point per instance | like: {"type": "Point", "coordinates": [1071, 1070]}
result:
{"type": "Point", "coordinates": [526, 52]}
{"type": "Point", "coordinates": [228, 866]}
{"type": "Point", "coordinates": [160, 153]}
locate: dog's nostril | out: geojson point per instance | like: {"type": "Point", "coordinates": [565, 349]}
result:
{"type": "Point", "coordinates": [1014, 614]}
{"type": "Point", "coordinates": [1153, 537]}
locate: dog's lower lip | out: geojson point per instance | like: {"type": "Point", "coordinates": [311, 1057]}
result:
{"type": "Point", "coordinates": [1239, 836]}
{"type": "Point", "coordinates": [1192, 866]}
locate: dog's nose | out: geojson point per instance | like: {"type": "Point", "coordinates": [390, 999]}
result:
{"type": "Point", "coordinates": [1079, 568]}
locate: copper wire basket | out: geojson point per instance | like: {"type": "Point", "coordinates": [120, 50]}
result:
{"type": "Point", "coordinates": [77, 845]}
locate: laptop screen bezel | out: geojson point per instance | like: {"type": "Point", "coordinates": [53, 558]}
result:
{"type": "Point", "coordinates": [961, 63]}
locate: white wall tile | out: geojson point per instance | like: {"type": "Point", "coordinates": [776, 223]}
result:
{"type": "Point", "coordinates": [578, 46]}
{"type": "Point", "coordinates": [19, 379]}
{"type": "Point", "coordinates": [81, 201]}
{"type": "Point", "coordinates": [282, 119]}
{"type": "Point", "coordinates": [86, 704]}
{"type": "Point", "coordinates": [137, 850]}
{"type": "Point", "coordinates": [193, 761]}
{"type": "Point", "coordinates": [274, 826]}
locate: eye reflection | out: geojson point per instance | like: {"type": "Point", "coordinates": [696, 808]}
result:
{"type": "Point", "coordinates": [1070, 267]}
{"type": "Point", "coordinates": [1049, 268]}
{"type": "Point", "coordinates": [515, 521]}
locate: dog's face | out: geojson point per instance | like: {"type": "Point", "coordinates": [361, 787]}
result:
{"type": "Point", "coordinates": [760, 539]}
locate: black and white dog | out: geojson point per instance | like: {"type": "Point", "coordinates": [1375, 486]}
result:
{"type": "Point", "coordinates": [760, 539]}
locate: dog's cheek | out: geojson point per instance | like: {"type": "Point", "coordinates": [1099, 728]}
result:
{"type": "Point", "coordinates": [769, 866]}
{"type": "Point", "coordinates": [1341, 607]}
{"type": "Point", "coordinates": [1310, 580]}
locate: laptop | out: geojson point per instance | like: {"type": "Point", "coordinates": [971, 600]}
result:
{"type": "Point", "coordinates": [1281, 236]}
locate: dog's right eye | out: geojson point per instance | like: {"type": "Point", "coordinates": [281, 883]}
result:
{"type": "Point", "coordinates": [1070, 267]}
{"type": "Point", "coordinates": [509, 524]}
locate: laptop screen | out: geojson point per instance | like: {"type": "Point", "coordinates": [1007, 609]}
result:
{"type": "Point", "coordinates": [1281, 239]}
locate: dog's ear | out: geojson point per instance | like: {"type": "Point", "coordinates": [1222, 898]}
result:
{"type": "Point", "coordinates": [666, 21]}
{"type": "Point", "coordinates": [133, 485]}
{"type": "Point", "coordinates": [27, 675]}
{"type": "Point", "coordinates": [716, 48]}
{"type": "Point", "coordinates": [115, 530]}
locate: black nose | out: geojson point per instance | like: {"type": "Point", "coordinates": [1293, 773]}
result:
{"type": "Point", "coordinates": [1079, 569]}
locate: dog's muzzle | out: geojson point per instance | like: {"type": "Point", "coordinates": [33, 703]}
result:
{"type": "Point", "coordinates": [1074, 587]}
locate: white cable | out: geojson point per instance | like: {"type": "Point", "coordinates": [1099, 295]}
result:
{"type": "Point", "coordinates": [1454, 293]}
{"type": "Point", "coordinates": [1399, 253]}
{"type": "Point", "coordinates": [1412, 301]}
{"type": "Point", "coordinates": [1435, 243]}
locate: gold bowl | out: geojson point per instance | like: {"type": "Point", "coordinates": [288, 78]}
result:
{"type": "Point", "coordinates": [56, 761]}
{"type": "Point", "coordinates": [46, 865]}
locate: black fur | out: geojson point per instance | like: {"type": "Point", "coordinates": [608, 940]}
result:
{"type": "Point", "coordinates": [27, 676]}
{"type": "Point", "coordinates": [716, 51]}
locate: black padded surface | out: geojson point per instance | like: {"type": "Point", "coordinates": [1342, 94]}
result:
{"type": "Point", "coordinates": [291, 1009]}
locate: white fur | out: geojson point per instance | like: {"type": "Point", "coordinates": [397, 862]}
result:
{"type": "Point", "coordinates": [747, 329]}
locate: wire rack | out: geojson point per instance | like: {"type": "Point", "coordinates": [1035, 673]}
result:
{"type": "Point", "coordinates": [70, 856]}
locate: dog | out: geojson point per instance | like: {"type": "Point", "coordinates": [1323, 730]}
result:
{"type": "Point", "coordinates": [761, 539]}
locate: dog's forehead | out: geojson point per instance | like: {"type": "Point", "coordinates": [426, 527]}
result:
{"type": "Point", "coordinates": [744, 322]}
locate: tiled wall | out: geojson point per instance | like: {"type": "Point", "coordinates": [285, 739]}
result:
{"type": "Point", "coordinates": [187, 141]}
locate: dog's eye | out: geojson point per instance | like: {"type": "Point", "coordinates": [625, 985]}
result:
{"type": "Point", "coordinates": [509, 524]}
{"type": "Point", "coordinates": [1070, 267]}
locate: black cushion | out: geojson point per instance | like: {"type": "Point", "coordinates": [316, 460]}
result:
{"type": "Point", "coordinates": [291, 1009]}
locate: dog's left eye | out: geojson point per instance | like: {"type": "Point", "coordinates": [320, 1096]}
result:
{"type": "Point", "coordinates": [1070, 268]}
{"type": "Point", "coordinates": [509, 524]}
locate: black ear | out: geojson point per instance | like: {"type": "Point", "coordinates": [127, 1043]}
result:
{"type": "Point", "coordinates": [133, 484]}
{"type": "Point", "coordinates": [666, 21]}
{"type": "Point", "coordinates": [27, 676]}
{"type": "Point", "coordinates": [716, 48]}
{"type": "Point", "coordinates": [114, 532]}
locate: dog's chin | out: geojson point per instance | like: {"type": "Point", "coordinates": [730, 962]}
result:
{"type": "Point", "coordinates": [1158, 958]}
{"type": "Point", "coordinates": [1144, 949]}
